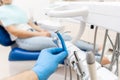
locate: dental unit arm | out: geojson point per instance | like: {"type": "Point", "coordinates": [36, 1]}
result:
{"type": "Point", "coordinates": [68, 13]}
{"type": "Point", "coordinates": [58, 12]}
{"type": "Point", "coordinates": [73, 59]}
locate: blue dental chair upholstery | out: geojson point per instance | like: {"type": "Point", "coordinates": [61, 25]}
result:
{"type": "Point", "coordinates": [5, 38]}
{"type": "Point", "coordinates": [16, 54]}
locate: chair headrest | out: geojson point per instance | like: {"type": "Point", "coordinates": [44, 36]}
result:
{"type": "Point", "coordinates": [5, 39]}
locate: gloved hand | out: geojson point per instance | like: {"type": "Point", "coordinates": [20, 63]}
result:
{"type": "Point", "coordinates": [48, 61]}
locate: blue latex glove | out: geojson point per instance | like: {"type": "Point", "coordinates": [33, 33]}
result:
{"type": "Point", "coordinates": [48, 61]}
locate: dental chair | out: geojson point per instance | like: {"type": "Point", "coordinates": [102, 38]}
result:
{"type": "Point", "coordinates": [19, 59]}
{"type": "Point", "coordinates": [16, 54]}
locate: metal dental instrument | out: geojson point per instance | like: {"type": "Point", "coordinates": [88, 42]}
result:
{"type": "Point", "coordinates": [78, 65]}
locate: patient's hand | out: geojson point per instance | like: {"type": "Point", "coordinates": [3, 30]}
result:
{"type": "Point", "coordinates": [42, 30]}
{"type": "Point", "coordinates": [45, 33]}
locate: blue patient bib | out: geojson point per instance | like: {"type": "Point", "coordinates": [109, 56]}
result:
{"type": "Point", "coordinates": [11, 14]}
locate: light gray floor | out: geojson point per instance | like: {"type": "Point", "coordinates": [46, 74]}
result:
{"type": "Point", "coordinates": [4, 70]}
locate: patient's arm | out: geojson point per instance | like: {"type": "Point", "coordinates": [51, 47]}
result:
{"type": "Point", "coordinates": [23, 33]}
{"type": "Point", "coordinates": [28, 75]}
{"type": "Point", "coordinates": [36, 27]}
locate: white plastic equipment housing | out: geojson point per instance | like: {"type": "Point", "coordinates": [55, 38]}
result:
{"type": "Point", "coordinates": [64, 12]}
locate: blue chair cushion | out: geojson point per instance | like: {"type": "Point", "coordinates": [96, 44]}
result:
{"type": "Point", "coordinates": [18, 54]}
{"type": "Point", "coordinates": [5, 37]}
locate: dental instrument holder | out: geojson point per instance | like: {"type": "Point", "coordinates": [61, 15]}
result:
{"type": "Point", "coordinates": [79, 65]}
{"type": "Point", "coordinates": [76, 63]}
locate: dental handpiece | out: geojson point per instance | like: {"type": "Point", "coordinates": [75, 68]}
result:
{"type": "Point", "coordinates": [62, 41]}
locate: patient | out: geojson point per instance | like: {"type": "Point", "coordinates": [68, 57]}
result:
{"type": "Point", "coordinates": [27, 35]}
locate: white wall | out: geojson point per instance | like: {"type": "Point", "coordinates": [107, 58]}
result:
{"type": "Point", "coordinates": [33, 7]}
